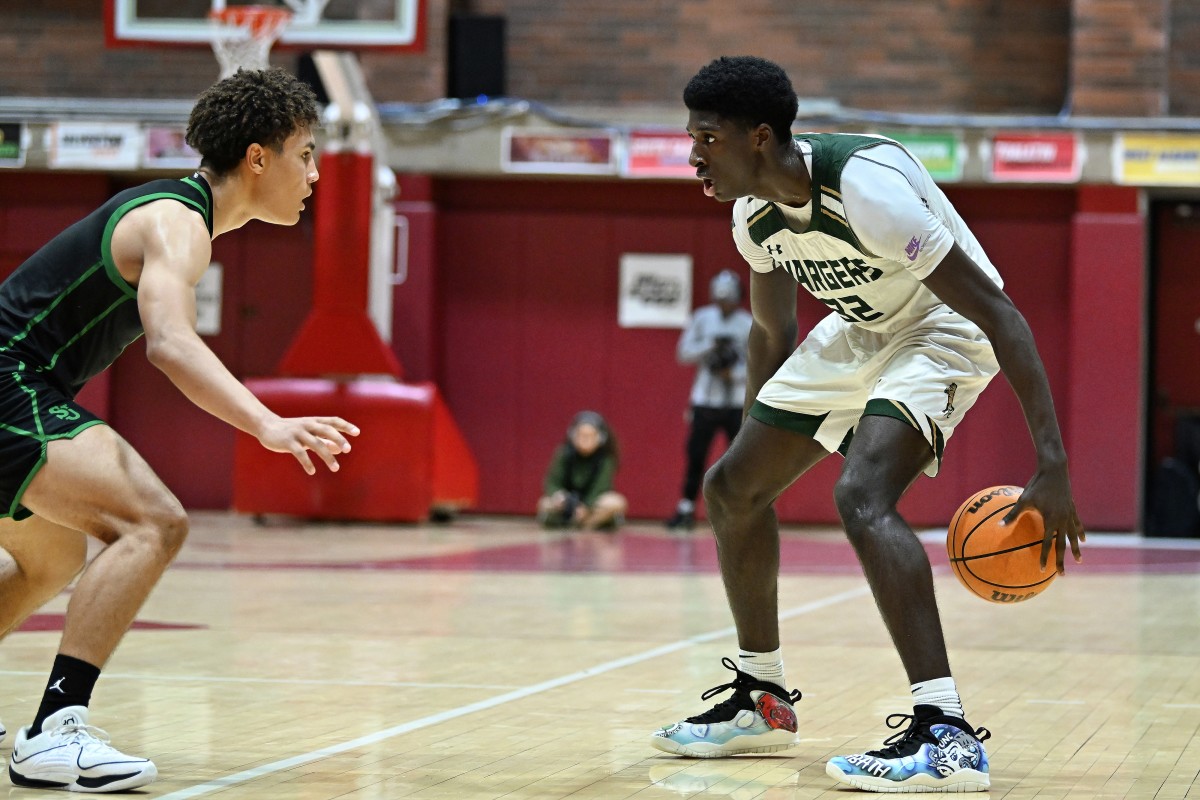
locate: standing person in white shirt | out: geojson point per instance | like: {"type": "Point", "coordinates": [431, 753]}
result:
{"type": "Point", "coordinates": [715, 341]}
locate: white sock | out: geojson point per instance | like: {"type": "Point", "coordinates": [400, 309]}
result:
{"type": "Point", "coordinates": [941, 693]}
{"type": "Point", "coordinates": [764, 666]}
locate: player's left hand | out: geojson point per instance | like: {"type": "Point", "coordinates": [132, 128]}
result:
{"type": "Point", "coordinates": [324, 436]}
{"type": "Point", "coordinates": [1049, 494]}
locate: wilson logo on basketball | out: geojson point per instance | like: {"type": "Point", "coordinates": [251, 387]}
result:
{"type": "Point", "coordinates": [1004, 491]}
{"type": "Point", "coordinates": [1001, 597]}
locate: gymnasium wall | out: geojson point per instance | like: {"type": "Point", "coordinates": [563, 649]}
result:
{"type": "Point", "coordinates": [528, 288]}
{"type": "Point", "coordinates": [519, 283]}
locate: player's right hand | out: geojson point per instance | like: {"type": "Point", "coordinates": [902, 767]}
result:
{"type": "Point", "coordinates": [1049, 492]}
{"type": "Point", "coordinates": [325, 436]}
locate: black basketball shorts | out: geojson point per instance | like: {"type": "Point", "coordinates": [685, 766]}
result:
{"type": "Point", "coordinates": [32, 413]}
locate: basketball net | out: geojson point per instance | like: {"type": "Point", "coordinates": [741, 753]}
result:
{"type": "Point", "coordinates": [242, 35]}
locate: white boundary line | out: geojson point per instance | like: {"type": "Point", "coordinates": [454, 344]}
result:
{"type": "Point", "coordinates": [483, 705]}
{"type": "Point", "coordinates": [301, 681]}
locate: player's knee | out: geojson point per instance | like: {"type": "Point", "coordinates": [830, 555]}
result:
{"type": "Point", "coordinates": [723, 494]}
{"type": "Point", "coordinates": [172, 526]}
{"type": "Point", "coordinates": [163, 527]}
{"type": "Point", "coordinates": [858, 504]}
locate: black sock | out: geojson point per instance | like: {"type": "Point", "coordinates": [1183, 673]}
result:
{"type": "Point", "coordinates": [71, 683]}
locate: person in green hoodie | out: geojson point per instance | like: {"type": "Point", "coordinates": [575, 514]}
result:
{"type": "Point", "coordinates": [578, 490]}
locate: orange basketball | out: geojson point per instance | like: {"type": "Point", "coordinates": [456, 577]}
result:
{"type": "Point", "coordinates": [999, 564]}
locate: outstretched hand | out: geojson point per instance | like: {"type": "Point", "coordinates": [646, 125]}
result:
{"type": "Point", "coordinates": [325, 436]}
{"type": "Point", "coordinates": [1049, 493]}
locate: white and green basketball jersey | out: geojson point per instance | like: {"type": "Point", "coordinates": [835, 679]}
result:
{"type": "Point", "coordinates": [876, 225]}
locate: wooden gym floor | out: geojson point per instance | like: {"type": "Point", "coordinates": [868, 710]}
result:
{"type": "Point", "coordinates": [487, 659]}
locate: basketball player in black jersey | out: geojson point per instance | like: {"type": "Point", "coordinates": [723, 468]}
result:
{"type": "Point", "coordinates": [130, 268]}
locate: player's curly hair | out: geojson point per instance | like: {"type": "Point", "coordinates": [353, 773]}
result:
{"type": "Point", "coordinates": [746, 89]}
{"type": "Point", "coordinates": [252, 106]}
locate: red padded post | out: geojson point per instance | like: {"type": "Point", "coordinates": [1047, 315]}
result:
{"type": "Point", "coordinates": [386, 477]}
{"type": "Point", "coordinates": [338, 337]}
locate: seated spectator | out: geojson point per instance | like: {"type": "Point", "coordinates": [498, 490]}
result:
{"type": "Point", "coordinates": [578, 490]}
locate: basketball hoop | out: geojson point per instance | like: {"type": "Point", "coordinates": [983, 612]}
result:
{"type": "Point", "coordinates": [242, 35]}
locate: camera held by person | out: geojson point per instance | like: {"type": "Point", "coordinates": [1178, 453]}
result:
{"type": "Point", "coordinates": [723, 355]}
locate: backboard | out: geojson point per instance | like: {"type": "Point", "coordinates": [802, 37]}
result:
{"type": "Point", "coordinates": [339, 24]}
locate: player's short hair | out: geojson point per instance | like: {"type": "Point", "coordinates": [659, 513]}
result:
{"type": "Point", "coordinates": [263, 106]}
{"type": "Point", "coordinates": [746, 89]}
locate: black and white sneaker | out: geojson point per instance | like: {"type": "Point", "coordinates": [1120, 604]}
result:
{"type": "Point", "coordinates": [70, 754]}
{"type": "Point", "coordinates": [936, 753]}
{"type": "Point", "coordinates": [758, 718]}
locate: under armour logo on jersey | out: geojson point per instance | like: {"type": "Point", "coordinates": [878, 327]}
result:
{"type": "Point", "coordinates": [774, 249]}
{"type": "Point", "coordinates": [57, 686]}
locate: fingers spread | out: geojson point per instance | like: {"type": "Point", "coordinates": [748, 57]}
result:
{"type": "Point", "coordinates": [301, 455]}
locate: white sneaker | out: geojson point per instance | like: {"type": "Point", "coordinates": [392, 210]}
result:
{"type": "Point", "coordinates": [2, 731]}
{"type": "Point", "coordinates": [70, 754]}
{"type": "Point", "coordinates": [759, 718]}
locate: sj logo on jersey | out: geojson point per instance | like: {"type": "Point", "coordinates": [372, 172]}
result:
{"type": "Point", "coordinates": [65, 413]}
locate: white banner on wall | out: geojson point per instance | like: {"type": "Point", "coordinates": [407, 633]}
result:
{"type": "Point", "coordinates": [656, 290]}
{"type": "Point", "coordinates": [208, 300]}
{"type": "Point", "coordinates": [95, 145]}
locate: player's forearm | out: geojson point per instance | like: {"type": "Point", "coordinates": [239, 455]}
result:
{"type": "Point", "coordinates": [1022, 366]}
{"type": "Point", "coordinates": [205, 381]}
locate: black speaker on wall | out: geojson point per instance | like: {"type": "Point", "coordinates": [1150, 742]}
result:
{"type": "Point", "coordinates": [475, 56]}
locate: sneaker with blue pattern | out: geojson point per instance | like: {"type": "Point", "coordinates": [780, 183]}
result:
{"type": "Point", "coordinates": [757, 718]}
{"type": "Point", "coordinates": [936, 753]}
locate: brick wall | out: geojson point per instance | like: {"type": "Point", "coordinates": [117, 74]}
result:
{"type": "Point", "coordinates": [954, 55]}
{"type": "Point", "coordinates": [1121, 57]}
{"type": "Point", "coordinates": [1136, 57]}
{"type": "Point", "coordinates": [1184, 64]}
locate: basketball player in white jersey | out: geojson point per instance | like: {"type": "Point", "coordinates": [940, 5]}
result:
{"type": "Point", "coordinates": [919, 325]}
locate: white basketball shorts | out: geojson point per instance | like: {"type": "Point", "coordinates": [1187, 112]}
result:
{"type": "Point", "coordinates": [927, 375]}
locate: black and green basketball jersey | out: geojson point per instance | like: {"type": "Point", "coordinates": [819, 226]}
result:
{"type": "Point", "coordinates": [66, 313]}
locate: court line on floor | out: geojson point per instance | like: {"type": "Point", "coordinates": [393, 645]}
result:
{"type": "Point", "coordinates": [286, 681]}
{"type": "Point", "coordinates": [508, 697]}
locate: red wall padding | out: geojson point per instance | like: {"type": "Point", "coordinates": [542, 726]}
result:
{"type": "Point", "coordinates": [529, 286]}
{"type": "Point", "coordinates": [518, 294]}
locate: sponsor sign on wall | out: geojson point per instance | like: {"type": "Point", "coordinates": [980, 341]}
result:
{"type": "Point", "coordinates": [94, 145]}
{"type": "Point", "coordinates": [655, 154]}
{"type": "Point", "coordinates": [1148, 159]}
{"type": "Point", "coordinates": [583, 152]}
{"type": "Point", "coordinates": [166, 149]}
{"type": "Point", "coordinates": [12, 144]}
{"type": "Point", "coordinates": [1035, 157]}
{"type": "Point", "coordinates": [941, 153]}
{"type": "Point", "coordinates": [656, 290]}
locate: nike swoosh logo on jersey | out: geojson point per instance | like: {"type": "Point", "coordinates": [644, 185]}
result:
{"type": "Point", "coordinates": [914, 247]}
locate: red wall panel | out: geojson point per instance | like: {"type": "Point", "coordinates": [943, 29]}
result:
{"type": "Point", "coordinates": [542, 284]}
{"type": "Point", "coordinates": [524, 334]}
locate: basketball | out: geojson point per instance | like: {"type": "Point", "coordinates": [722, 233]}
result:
{"type": "Point", "coordinates": [998, 563]}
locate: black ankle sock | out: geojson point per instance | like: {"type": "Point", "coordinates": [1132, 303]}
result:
{"type": "Point", "coordinates": [71, 683]}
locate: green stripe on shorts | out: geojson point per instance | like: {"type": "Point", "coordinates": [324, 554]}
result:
{"type": "Point", "coordinates": [881, 407]}
{"type": "Point", "coordinates": [806, 424]}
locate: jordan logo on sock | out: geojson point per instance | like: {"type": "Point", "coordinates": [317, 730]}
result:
{"type": "Point", "coordinates": [57, 686]}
